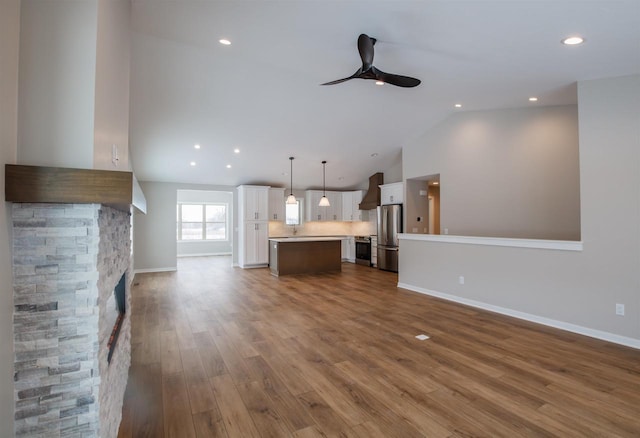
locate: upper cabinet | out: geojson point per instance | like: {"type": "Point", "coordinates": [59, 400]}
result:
{"type": "Point", "coordinates": [254, 203]}
{"type": "Point", "coordinates": [276, 204]}
{"type": "Point", "coordinates": [392, 193]}
{"type": "Point", "coordinates": [317, 213]}
{"type": "Point", "coordinates": [350, 206]}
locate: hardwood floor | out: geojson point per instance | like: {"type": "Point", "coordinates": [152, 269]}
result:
{"type": "Point", "coordinates": [224, 352]}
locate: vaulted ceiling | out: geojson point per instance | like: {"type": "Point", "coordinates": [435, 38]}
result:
{"type": "Point", "coordinates": [261, 94]}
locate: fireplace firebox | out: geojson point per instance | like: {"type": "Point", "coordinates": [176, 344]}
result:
{"type": "Point", "coordinates": [116, 308]}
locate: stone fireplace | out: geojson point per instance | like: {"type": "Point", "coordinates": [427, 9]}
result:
{"type": "Point", "coordinates": [67, 261]}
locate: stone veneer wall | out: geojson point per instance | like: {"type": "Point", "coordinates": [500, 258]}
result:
{"type": "Point", "coordinates": [65, 258]}
{"type": "Point", "coordinates": [114, 259]}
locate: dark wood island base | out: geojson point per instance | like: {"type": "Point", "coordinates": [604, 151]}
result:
{"type": "Point", "coordinates": [303, 255]}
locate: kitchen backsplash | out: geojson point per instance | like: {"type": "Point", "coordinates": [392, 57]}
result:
{"type": "Point", "coordinates": [329, 228]}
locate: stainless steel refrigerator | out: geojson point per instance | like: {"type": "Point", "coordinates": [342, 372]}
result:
{"type": "Point", "coordinates": [389, 226]}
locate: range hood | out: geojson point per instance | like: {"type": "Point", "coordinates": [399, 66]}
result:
{"type": "Point", "coordinates": [372, 199]}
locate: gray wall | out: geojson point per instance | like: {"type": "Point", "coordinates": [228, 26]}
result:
{"type": "Point", "coordinates": [113, 50]}
{"type": "Point", "coordinates": [578, 288]}
{"type": "Point", "coordinates": [416, 206]}
{"type": "Point", "coordinates": [189, 248]}
{"type": "Point", "coordinates": [9, 43]}
{"type": "Point", "coordinates": [504, 173]}
{"type": "Point", "coordinates": [57, 82]}
{"type": "Point", "coordinates": [74, 83]}
{"type": "Point", "coordinates": [154, 234]}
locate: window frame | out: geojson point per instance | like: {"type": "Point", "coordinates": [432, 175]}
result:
{"type": "Point", "coordinates": [204, 222]}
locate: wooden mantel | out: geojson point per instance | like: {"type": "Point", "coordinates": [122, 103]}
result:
{"type": "Point", "coordinates": [73, 186]}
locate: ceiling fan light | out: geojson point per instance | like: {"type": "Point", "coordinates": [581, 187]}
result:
{"type": "Point", "coordinates": [324, 202]}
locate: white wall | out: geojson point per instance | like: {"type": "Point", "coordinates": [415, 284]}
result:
{"type": "Point", "coordinates": [575, 289]}
{"type": "Point", "coordinates": [112, 84]}
{"type": "Point", "coordinates": [188, 248]}
{"type": "Point", "coordinates": [57, 82]}
{"type": "Point", "coordinates": [9, 43]}
{"type": "Point", "coordinates": [504, 173]}
{"type": "Point", "coordinates": [154, 234]}
{"type": "Point", "coordinates": [394, 172]}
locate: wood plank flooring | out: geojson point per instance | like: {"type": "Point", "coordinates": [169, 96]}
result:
{"type": "Point", "coordinates": [224, 352]}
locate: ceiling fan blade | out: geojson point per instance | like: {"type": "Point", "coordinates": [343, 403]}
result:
{"type": "Point", "coordinates": [397, 80]}
{"type": "Point", "coordinates": [365, 47]}
{"type": "Point", "coordinates": [338, 81]}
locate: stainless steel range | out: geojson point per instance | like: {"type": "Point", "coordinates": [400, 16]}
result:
{"type": "Point", "coordinates": [363, 250]}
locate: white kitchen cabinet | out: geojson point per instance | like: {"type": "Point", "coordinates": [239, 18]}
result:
{"type": "Point", "coordinates": [276, 204]}
{"type": "Point", "coordinates": [334, 212]}
{"type": "Point", "coordinates": [345, 249]}
{"type": "Point", "coordinates": [316, 213]}
{"type": "Point", "coordinates": [254, 252]}
{"type": "Point", "coordinates": [351, 206]}
{"type": "Point", "coordinates": [392, 193]}
{"type": "Point", "coordinates": [349, 249]}
{"type": "Point", "coordinates": [253, 226]}
{"type": "Point", "coordinates": [253, 203]}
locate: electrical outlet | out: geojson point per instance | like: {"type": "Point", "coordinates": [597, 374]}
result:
{"type": "Point", "coordinates": [461, 279]}
{"type": "Point", "coordinates": [446, 231]}
{"type": "Point", "coordinates": [619, 309]}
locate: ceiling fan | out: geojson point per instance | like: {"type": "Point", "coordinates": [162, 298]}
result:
{"type": "Point", "coordinates": [368, 71]}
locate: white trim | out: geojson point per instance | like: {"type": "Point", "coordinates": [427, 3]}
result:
{"type": "Point", "coordinates": [146, 271]}
{"type": "Point", "coordinates": [207, 254]}
{"type": "Point", "coordinates": [563, 245]}
{"type": "Point", "coordinates": [598, 334]}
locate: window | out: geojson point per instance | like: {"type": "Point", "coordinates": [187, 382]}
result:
{"type": "Point", "coordinates": [292, 213]}
{"type": "Point", "coordinates": [202, 222]}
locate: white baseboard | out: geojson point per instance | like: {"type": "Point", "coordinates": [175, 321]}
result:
{"type": "Point", "coordinates": [145, 271]}
{"type": "Point", "coordinates": [598, 334]}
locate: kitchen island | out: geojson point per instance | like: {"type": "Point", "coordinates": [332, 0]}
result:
{"type": "Point", "coordinates": [304, 255]}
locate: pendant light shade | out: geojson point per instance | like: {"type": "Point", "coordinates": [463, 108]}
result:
{"type": "Point", "coordinates": [291, 199]}
{"type": "Point", "coordinates": [324, 201]}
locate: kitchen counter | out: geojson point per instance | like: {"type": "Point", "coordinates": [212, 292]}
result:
{"type": "Point", "coordinates": [304, 255]}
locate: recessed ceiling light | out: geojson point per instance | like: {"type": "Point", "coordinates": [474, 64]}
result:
{"type": "Point", "coordinates": [373, 155]}
{"type": "Point", "coordinates": [225, 42]}
{"type": "Point", "coordinates": [533, 99]}
{"type": "Point", "coordinates": [228, 166]}
{"type": "Point", "coordinates": [193, 163]}
{"type": "Point", "coordinates": [196, 146]}
{"type": "Point", "coordinates": [573, 40]}
{"type": "Point", "coordinates": [379, 83]}
{"type": "Point", "coordinates": [236, 151]}
{"type": "Point", "coordinates": [458, 105]}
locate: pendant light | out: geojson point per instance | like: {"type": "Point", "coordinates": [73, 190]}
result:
{"type": "Point", "coordinates": [324, 201]}
{"type": "Point", "coordinates": [291, 199]}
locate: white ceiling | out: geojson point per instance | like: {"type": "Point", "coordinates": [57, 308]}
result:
{"type": "Point", "coordinates": [262, 94]}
